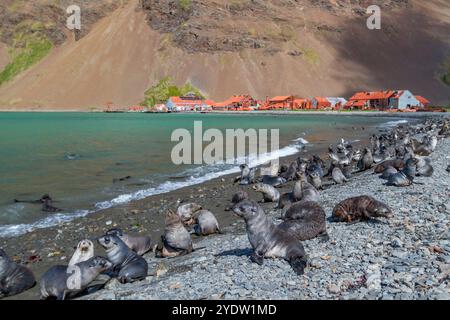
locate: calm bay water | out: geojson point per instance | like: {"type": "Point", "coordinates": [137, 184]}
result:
{"type": "Point", "coordinates": [35, 149]}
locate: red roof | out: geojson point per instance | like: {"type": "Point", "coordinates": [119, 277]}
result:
{"type": "Point", "coordinates": [356, 103]}
{"type": "Point", "coordinates": [422, 100]}
{"type": "Point", "coordinates": [373, 95]}
{"type": "Point", "coordinates": [321, 100]}
{"type": "Point", "coordinates": [280, 98]}
{"type": "Point", "coordinates": [183, 101]}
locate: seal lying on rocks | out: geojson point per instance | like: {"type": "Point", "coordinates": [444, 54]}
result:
{"type": "Point", "coordinates": [405, 177]}
{"type": "Point", "coordinates": [14, 278]}
{"type": "Point", "coordinates": [83, 252]}
{"type": "Point", "coordinates": [398, 164]}
{"type": "Point", "coordinates": [274, 181]}
{"type": "Point", "coordinates": [424, 167]}
{"type": "Point", "coordinates": [305, 220]}
{"type": "Point", "coordinates": [127, 264]}
{"type": "Point", "coordinates": [139, 244]}
{"type": "Point", "coordinates": [360, 208]}
{"type": "Point", "coordinates": [176, 240]}
{"type": "Point", "coordinates": [186, 213]}
{"type": "Point", "coordinates": [389, 171]}
{"type": "Point", "coordinates": [270, 194]}
{"type": "Point", "coordinates": [206, 223]}
{"type": "Point", "coordinates": [63, 282]}
{"type": "Point", "coordinates": [267, 239]}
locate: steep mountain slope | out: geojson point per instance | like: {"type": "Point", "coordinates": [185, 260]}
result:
{"type": "Point", "coordinates": [303, 47]}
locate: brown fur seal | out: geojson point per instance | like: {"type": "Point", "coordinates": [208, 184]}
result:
{"type": "Point", "coordinates": [270, 194]}
{"type": "Point", "coordinates": [139, 244]}
{"type": "Point", "coordinates": [268, 240]}
{"type": "Point", "coordinates": [360, 208]}
{"type": "Point", "coordinates": [398, 164]}
{"type": "Point", "coordinates": [306, 220]}
{"type": "Point", "coordinates": [14, 278]}
{"type": "Point", "coordinates": [389, 171]}
{"type": "Point", "coordinates": [206, 223]}
{"type": "Point", "coordinates": [63, 282]}
{"type": "Point", "coordinates": [176, 240]}
{"type": "Point", "coordinates": [127, 264]}
{"type": "Point", "coordinates": [186, 213]}
{"type": "Point", "coordinates": [83, 252]}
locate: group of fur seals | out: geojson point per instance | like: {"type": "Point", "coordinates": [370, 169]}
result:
{"type": "Point", "coordinates": [127, 265]}
{"type": "Point", "coordinates": [269, 240]}
{"type": "Point", "coordinates": [247, 175]}
{"type": "Point", "coordinates": [62, 282]}
{"type": "Point", "coordinates": [14, 278]}
{"type": "Point", "coordinates": [359, 209]}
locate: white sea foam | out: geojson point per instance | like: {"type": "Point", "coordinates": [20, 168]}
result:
{"type": "Point", "coordinates": [211, 172]}
{"type": "Point", "coordinates": [394, 123]}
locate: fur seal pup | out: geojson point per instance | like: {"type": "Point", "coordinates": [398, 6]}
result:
{"type": "Point", "coordinates": [314, 179]}
{"type": "Point", "coordinates": [83, 252]}
{"type": "Point", "coordinates": [338, 176]}
{"type": "Point", "coordinates": [309, 193]}
{"type": "Point", "coordinates": [274, 181]}
{"type": "Point", "coordinates": [268, 240]}
{"type": "Point", "coordinates": [305, 220]}
{"type": "Point", "coordinates": [398, 164]}
{"type": "Point", "coordinates": [63, 282]}
{"type": "Point", "coordinates": [366, 161]}
{"type": "Point", "coordinates": [127, 264]}
{"type": "Point", "coordinates": [360, 208]}
{"type": "Point", "coordinates": [139, 244]}
{"type": "Point", "coordinates": [186, 212]}
{"type": "Point", "coordinates": [247, 175]}
{"type": "Point", "coordinates": [289, 175]}
{"type": "Point", "coordinates": [206, 223]}
{"type": "Point", "coordinates": [405, 177]}
{"type": "Point", "coordinates": [14, 278]}
{"type": "Point", "coordinates": [389, 171]}
{"type": "Point", "coordinates": [270, 194]}
{"type": "Point", "coordinates": [424, 167]}
{"type": "Point", "coordinates": [176, 240]}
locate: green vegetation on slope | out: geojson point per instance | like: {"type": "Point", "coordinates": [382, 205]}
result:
{"type": "Point", "coordinates": [29, 46]}
{"type": "Point", "coordinates": [165, 89]}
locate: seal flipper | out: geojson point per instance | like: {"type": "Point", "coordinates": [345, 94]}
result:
{"type": "Point", "coordinates": [324, 237]}
{"type": "Point", "coordinates": [257, 258]}
{"type": "Point", "coordinates": [298, 264]}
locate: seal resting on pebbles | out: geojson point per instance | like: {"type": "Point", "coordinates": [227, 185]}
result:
{"type": "Point", "coordinates": [270, 194]}
{"type": "Point", "coordinates": [360, 208]}
{"type": "Point", "coordinates": [127, 264]}
{"type": "Point", "coordinates": [63, 282]}
{"type": "Point", "coordinates": [139, 244]}
{"type": "Point", "coordinates": [398, 164]}
{"type": "Point", "coordinates": [83, 252]}
{"type": "Point", "coordinates": [206, 223]}
{"type": "Point", "coordinates": [305, 220]}
{"type": "Point", "coordinates": [338, 176]}
{"type": "Point", "coordinates": [14, 278]}
{"type": "Point", "coordinates": [176, 240]}
{"type": "Point", "coordinates": [268, 240]}
{"type": "Point", "coordinates": [186, 213]}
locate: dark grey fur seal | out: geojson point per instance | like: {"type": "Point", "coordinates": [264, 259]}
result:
{"type": "Point", "coordinates": [239, 196]}
{"type": "Point", "coordinates": [63, 282]}
{"type": "Point", "coordinates": [309, 193]}
{"type": "Point", "coordinates": [127, 264]}
{"type": "Point", "coordinates": [389, 171]}
{"type": "Point", "coordinates": [274, 181]}
{"type": "Point", "coordinates": [14, 278]}
{"type": "Point", "coordinates": [405, 177]}
{"type": "Point", "coordinates": [305, 220]}
{"type": "Point", "coordinates": [268, 240]}
{"type": "Point", "coordinates": [270, 194]}
{"type": "Point", "coordinates": [247, 175]}
{"type": "Point", "coordinates": [139, 244]}
{"type": "Point", "coordinates": [360, 208]}
{"type": "Point", "coordinates": [289, 175]}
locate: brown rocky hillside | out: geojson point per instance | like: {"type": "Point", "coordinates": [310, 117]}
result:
{"type": "Point", "coordinates": [273, 47]}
